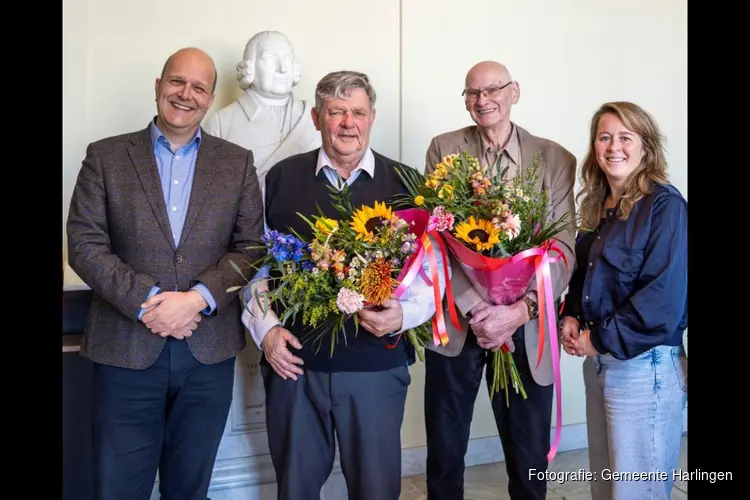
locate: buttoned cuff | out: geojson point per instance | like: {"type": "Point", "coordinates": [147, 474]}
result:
{"type": "Point", "coordinates": [206, 294]}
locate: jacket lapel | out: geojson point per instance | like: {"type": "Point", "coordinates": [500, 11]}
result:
{"type": "Point", "coordinates": [529, 146]}
{"type": "Point", "coordinates": [472, 145]}
{"type": "Point", "coordinates": [142, 155]}
{"type": "Point", "coordinates": [205, 169]}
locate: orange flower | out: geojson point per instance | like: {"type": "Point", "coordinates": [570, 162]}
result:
{"type": "Point", "coordinates": [376, 283]}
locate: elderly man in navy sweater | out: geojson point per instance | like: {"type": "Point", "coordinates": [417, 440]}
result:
{"type": "Point", "coordinates": [359, 393]}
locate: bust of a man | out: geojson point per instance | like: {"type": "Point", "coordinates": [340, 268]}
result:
{"type": "Point", "coordinates": [267, 118]}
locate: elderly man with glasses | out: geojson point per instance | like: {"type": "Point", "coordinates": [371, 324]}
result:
{"type": "Point", "coordinates": [454, 372]}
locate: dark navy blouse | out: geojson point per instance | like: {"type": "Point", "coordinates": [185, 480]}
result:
{"type": "Point", "coordinates": [629, 287]}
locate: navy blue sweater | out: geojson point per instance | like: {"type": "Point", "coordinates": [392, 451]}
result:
{"type": "Point", "coordinates": [630, 284]}
{"type": "Point", "coordinates": [291, 187]}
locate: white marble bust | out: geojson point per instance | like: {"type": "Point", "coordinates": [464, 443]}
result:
{"type": "Point", "coordinates": [267, 118]}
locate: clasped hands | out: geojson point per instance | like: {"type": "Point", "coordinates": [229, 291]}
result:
{"type": "Point", "coordinates": [378, 321]}
{"type": "Point", "coordinates": [494, 325]}
{"type": "Point", "coordinates": [173, 313]}
{"type": "Point", "coordinates": [574, 341]}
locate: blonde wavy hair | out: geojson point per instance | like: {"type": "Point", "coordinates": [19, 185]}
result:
{"type": "Point", "coordinates": [652, 169]}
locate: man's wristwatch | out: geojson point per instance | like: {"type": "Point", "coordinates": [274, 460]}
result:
{"type": "Point", "coordinates": [532, 306]}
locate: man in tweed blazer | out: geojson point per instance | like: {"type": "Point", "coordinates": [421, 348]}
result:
{"type": "Point", "coordinates": [156, 219]}
{"type": "Point", "coordinates": [453, 373]}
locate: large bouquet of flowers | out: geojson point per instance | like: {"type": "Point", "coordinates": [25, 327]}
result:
{"type": "Point", "coordinates": [360, 260]}
{"type": "Point", "coordinates": [500, 232]}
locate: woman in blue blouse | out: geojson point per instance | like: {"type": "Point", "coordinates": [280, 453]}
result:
{"type": "Point", "coordinates": [626, 308]}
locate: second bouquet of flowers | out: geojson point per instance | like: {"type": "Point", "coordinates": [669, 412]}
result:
{"type": "Point", "coordinates": [501, 233]}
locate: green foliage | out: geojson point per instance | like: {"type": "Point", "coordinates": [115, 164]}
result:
{"type": "Point", "coordinates": [321, 282]}
{"type": "Point", "coordinates": [465, 189]}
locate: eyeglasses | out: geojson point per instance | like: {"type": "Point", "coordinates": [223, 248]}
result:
{"type": "Point", "coordinates": [490, 92]}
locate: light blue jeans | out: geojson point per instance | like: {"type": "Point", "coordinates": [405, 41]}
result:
{"type": "Point", "coordinates": [634, 420]}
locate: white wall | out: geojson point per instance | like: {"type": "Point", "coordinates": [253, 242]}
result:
{"type": "Point", "coordinates": [569, 56]}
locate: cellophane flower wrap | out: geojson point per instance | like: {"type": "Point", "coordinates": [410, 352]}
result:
{"type": "Point", "coordinates": [492, 227]}
{"type": "Point", "coordinates": [355, 261]}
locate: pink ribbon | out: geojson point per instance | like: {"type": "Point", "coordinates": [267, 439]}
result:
{"type": "Point", "coordinates": [542, 260]}
{"type": "Point", "coordinates": [414, 269]}
{"type": "Point", "coordinates": [439, 329]}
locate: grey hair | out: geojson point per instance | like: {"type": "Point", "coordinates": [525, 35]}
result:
{"type": "Point", "coordinates": [339, 85]}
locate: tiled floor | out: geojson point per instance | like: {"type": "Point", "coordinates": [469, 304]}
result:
{"type": "Point", "coordinates": [490, 482]}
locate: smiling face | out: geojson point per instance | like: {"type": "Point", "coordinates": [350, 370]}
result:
{"type": "Point", "coordinates": [345, 125]}
{"type": "Point", "coordinates": [489, 94]}
{"type": "Point", "coordinates": [184, 93]}
{"type": "Point", "coordinates": [619, 151]}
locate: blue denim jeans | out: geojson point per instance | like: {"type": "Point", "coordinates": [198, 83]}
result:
{"type": "Point", "coordinates": [634, 420]}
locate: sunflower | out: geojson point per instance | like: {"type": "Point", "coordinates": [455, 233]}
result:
{"type": "Point", "coordinates": [480, 233]}
{"type": "Point", "coordinates": [376, 282]}
{"type": "Point", "coordinates": [366, 219]}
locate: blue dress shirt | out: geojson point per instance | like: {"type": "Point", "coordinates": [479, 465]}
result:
{"type": "Point", "coordinates": [176, 171]}
{"type": "Point", "coordinates": [629, 288]}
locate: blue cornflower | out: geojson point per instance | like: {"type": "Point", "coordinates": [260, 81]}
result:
{"type": "Point", "coordinates": [285, 247]}
{"type": "Point", "coordinates": [272, 237]}
{"type": "Point", "coordinates": [281, 254]}
{"type": "Point", "coordinates": [298, 254]}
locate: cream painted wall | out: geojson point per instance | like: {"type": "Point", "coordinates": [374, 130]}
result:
{"type": "Point", "coordinates": [114, 50]}
{"type": "Point", "coordinates": [75, 101]}
{"type": "Point", "coordinates": [569, 56]}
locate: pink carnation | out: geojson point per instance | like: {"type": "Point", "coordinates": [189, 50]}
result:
{"type": "Point", "coordinates": [442, 220]}
{"type": "Point", "coordinates": [512, 226]}
{"type": "Point", "coordinates": [348, 301]}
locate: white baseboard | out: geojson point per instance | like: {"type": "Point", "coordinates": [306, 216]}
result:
{"type": "Point", "coordinates": [254, 479]}
{"type": "Point", "coordinates": [488, 449]}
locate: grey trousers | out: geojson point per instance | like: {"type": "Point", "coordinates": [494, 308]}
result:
{"type": "Point", "coordinates": [363, 410]}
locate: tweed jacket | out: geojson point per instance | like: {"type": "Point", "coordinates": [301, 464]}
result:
{"type": "Point", "coordinates": [558, 178]}
{"type": "Point", "coordinates": [121, 245]}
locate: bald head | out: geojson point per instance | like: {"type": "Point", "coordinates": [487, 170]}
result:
{"type": "Point", "coordinates": [184, 93]}
{"type": "Point", "coordinates": [488, 70]}
{"type": "Point", "coordinates": [489, 94]}
{"type": "Point", "coordinates": [192, 56]}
